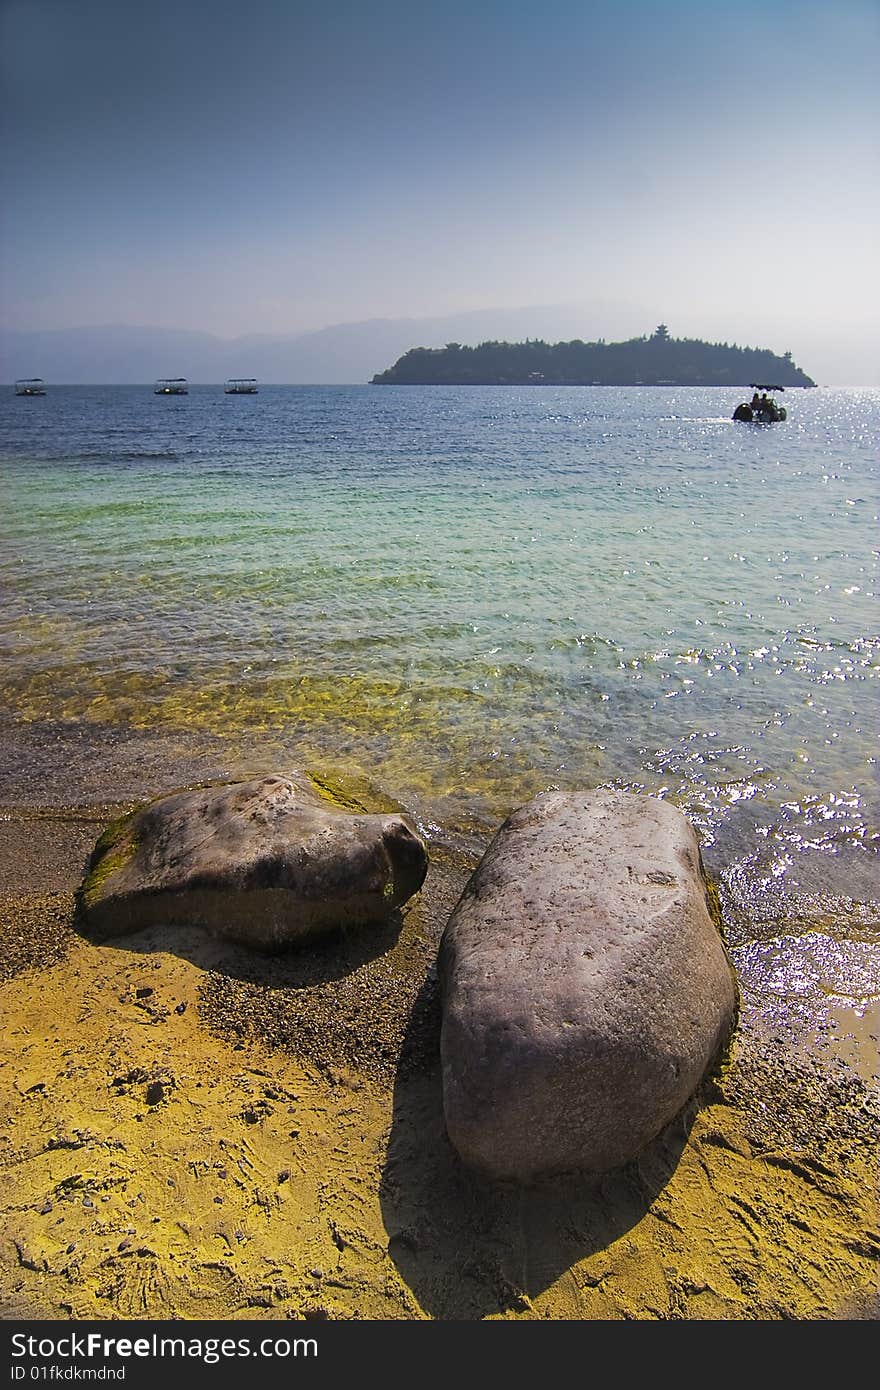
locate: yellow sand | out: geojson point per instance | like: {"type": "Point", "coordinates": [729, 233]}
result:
{"type": "Point", "coordinates": [255, 1186]}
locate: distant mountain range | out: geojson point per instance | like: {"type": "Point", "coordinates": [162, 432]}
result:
{"type": "Point", "coordinates": [348, 353]}
{"type": "Point", "coordinates": [353, 353]}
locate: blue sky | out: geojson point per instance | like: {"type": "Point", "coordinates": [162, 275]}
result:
{"type": "Point", "coordinates": [274, 167]}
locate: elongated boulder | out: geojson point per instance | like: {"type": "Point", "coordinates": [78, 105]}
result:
{"type": "Point", "coordinates": [585, 986]}
{"type": "Point", "coordinates": [266, 863]}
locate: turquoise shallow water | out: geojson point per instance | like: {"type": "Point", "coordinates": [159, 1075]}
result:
{"type": "Point", "coordinates": [467, 594]}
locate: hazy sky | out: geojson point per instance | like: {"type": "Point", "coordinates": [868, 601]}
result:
{"type": "Point", "coordinates": [273, 166]}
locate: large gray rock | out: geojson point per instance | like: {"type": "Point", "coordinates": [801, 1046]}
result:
{"type": "Point", "coordinates": [585, 986]}
{"type": "Point", "coordinates": [266, 863]}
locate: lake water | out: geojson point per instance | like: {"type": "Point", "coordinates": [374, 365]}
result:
{"type": "Point", "coordinates": [466, 594]}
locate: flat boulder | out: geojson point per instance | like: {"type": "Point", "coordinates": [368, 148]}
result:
{"type": "Point", "coordinates": [266, 863]}
{"type": "Point", "coordinates": [585, 986]}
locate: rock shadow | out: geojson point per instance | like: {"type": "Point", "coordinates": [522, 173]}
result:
{"type": "Point", "coordinates": [297, 965]}
{"type": "Point", "coordinates": [468, 1247]}
{"type": "Point", "coordinates": [332, 1003]}
{"type": "Point", "coordinates": [342, 1001]}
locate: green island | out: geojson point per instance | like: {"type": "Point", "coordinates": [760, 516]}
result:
{"type": "Point", "coordinates": [658, 360]}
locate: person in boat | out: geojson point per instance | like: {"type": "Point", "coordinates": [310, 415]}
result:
{"type": "Point", "coordinates": [756, 401]}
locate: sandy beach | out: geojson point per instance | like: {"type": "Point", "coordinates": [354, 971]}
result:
{"type": "Point", "coordinates": [191, 1130]}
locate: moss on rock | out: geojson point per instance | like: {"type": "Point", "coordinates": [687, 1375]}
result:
{"type": "Point", "coordinates": [116, 846]}
{"type": "Point", "coordinates": [351, 793]}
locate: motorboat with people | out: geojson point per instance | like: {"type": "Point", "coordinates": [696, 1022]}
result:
{"type": "Point", "coordinates": [762, 408]}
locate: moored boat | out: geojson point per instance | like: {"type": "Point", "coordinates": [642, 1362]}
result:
{"type": "Point", "coordinates": [171, 386]}
{"type": "Point", "coordinates": [241, 386]}
{"type": "Point", "coordinates": [30, 386]}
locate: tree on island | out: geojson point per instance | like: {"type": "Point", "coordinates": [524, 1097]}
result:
{"type": "Point", "coordinates": [656, 361]}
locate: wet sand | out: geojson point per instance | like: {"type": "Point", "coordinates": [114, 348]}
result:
{"type": "Point", "coordinates": [190, 1130]}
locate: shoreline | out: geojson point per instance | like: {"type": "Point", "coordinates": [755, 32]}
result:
{"type": "Point", "coordinates": [162, 1084]}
